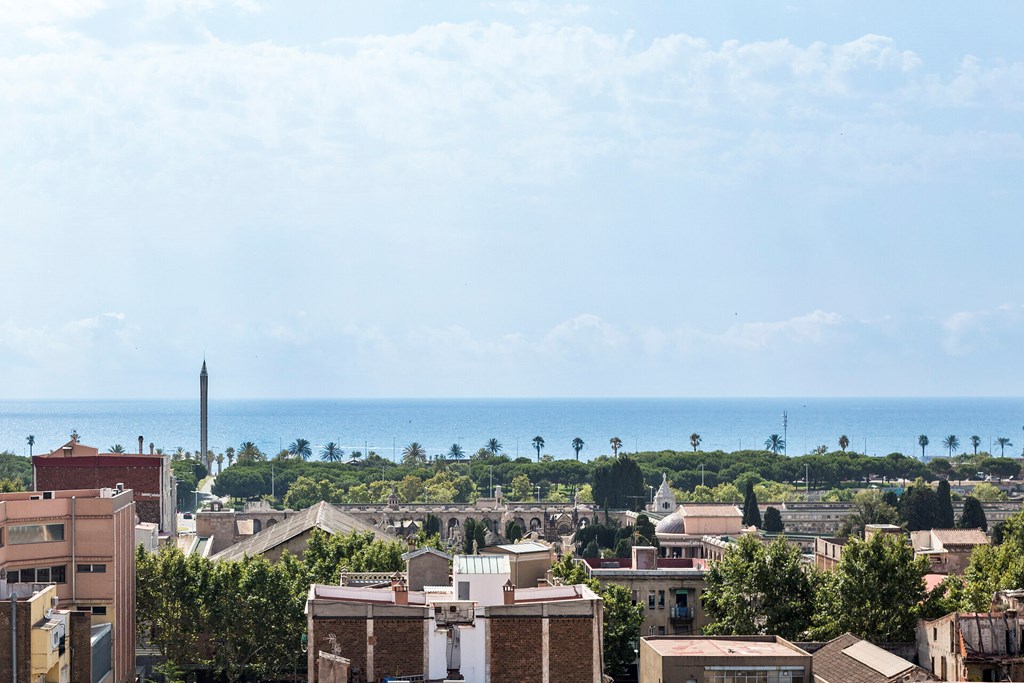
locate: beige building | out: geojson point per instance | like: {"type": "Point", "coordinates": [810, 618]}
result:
{"type": "Point", "coordinates": [83, 542]}
{"type": "Point", "coordinates": [723, 659]}
{"type": "Point", "coordinates": [530, 561]}
{"type": "Point", "coordinates": [681, 533]}
{"type": "Point", "coordinates": [948, 550]}
{"type": "Point", "coordinates": [973, 647]}
{"type": "Point", "coordinates": [669, 588]}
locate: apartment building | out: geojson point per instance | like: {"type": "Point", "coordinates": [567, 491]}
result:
{"type": "Point", "coordinates": [723, 659]}
{"type": "Point", "coordinates": [948, 550]}
{"type": "Point", "coordinates": [82, 542]}
{"type": "Point", "coordinates": [77, 466]}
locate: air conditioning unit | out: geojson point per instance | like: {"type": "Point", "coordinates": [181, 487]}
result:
{"type": "Point", "coordinates": [35, 496]}
{"type": "Point", "coordinates": [47, 495]}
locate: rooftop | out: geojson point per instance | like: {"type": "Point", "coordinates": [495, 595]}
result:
{"type": "Point", "coordinates": [709, 510]}
{"type": "Point", "coordinates": [765, 646]}
{"type": "Point", "coordinates": [852, 660]}
{"type": "Point", "coordinates": [481, 564]}
{"type": "Point", "coordinates": [520, 548]}
{"type": "Point", "coordinates": [960, 536]}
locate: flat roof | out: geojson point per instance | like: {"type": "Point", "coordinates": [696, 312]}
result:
{"type": "Point", "coordinates": [714, 647]}
{"type": "Point", "coordinates": [481, 564]}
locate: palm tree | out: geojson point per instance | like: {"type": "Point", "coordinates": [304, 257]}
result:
{"type": "Point", "coordinates": [844, 442]}
{"type": "Point", "coordinates": [179, 453]}
{"type": "Point", "coordinates": [456, 452]}
{"type": "Point", "coordinates": [493, 446]}
{"type": "Point", "coordinates": [248, 452]}
{"type": "Point", "coordinates": [230, 453]}
{"type": "Point", "coordinates": [31, 440]}
{"type": "Point", "coordinates": [975, 442]}
{"type": "Point", "coordinates": [922, 441]}
{"type": "Point", "coordinates": [774, 443]}
{"type": "Point", "coordinates": [300, 448]}
{"type": "Point", "coordinates": [1003, 443]}
{"type": "Point", "coordinates": [951, 443]}
{"type": "Point", "coordinates": [538, 443]}
{"type": "Point", "coordinates": [695, 441]}
{"type": "Point", "coordinates": [220, 462]}
{"type": "Point", "coordinates": [414, 454]}
{"type": "Point", "coordinates": [577, 445]}
{"type": "Point", "coordinates": [117, 448]}
{"type": "Point", "coordinates": [330, 452]}
{"type": "Point", "coordinates": [616, 444]}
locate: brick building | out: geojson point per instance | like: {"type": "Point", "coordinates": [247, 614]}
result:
{"type": "Point", "coordinates": [948, 550]}
{"type": "Point", "coordinates": [481, 627]}
{"type": "Point", "coordinates": [83, 543]}
{"type": "Point", "coordinates": [973, 647]}
{"type": "Point", "coordinates": [77, 466]}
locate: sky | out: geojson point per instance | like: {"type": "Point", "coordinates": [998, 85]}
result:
{"type": "Point", "coordinates": [524, 198]}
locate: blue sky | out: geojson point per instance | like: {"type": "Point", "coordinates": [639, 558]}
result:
{"type": "Point", "coordinates": [510, 198]}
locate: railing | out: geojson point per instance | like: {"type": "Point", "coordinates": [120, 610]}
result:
{"type": "Point", "coordinates": [679, 612]}
{"type": "Point", "coordinates": [366, 578]}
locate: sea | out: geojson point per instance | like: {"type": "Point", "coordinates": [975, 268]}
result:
{"type": "Point", "coordinates": [876, 426]}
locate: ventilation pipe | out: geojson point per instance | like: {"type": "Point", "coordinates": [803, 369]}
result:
{"type": "Point", "coordinates": [14, 637]}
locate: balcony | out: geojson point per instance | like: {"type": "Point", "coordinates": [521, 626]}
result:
{"type": "Point", "coordinates": [680, 613]}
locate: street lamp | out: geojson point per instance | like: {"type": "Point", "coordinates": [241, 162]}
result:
{"type": "Point", "coordinates": [538, 493]}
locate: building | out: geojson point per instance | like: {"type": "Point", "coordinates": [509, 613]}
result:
{"type": "Point", "coordinates": [427, 567]}
{"type": "Point", "coordinates": [229, 541]}
{"type": "Point", "coordinates": [82, 542]}
{"type": "Point", "coordinates": [49, 643]}
{"type": "Point", "coordinates": [664, 500]}
{"type": "Point", "coordinates": [723, 659]}
{"type": "Point", "coordinates": [669, 588]}
{"type": "Point", "coordinates": [530, 561]}
{"type": "Point", "coordinates": [77, 466]}
{"type": "Point", "coordinates": [973, 647]}
{"type": "Point", "coordinates": [681, 533]}
{"type": "Point", "coordinates": [848, 659]}
{"type": "Point", "coordinates": [948, 550]}
{"type": "Point", "coordinates": [480, 627]}
{"type": "Point", "coordinates": [828, 552]}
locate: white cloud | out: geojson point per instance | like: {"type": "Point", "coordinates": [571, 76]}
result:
{"type": "Point", "coordinates": [971, 332]}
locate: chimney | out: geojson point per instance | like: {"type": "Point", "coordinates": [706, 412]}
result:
{"type": "Point", "coordinates": [645, 557]}
{"type": "Point", "coordinates": [141, 441]}
{"type": "Point", "coordinates": [152, 451]}
{"type": "Point", "coordinates": [509, 593]}
{"type": "Point", "coordinates": [401, 592]}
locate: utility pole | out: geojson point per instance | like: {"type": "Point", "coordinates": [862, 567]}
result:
{"type": "Point", "coordinates": [807, 480]}
{"type": "Point", "coordinates": [702, 474]}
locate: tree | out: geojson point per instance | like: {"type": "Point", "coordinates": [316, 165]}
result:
{"type": "Point", "coordinates": [31, 441]}
{"type": "Point", "coordinates": [300, 448]}
{"type": "Point", "coordinates": [751, 512]}
{"type": "Point", "coordinates": [622, 622]}
{"type": "Point", "coordinates": [456, 452]}
{"type": "Point", "coordinates": [759, 590]}
{"type": "Point", "coordinates": [694, 441]}
{"type": "Point", "coordinates": [538, 443]}
{"type": "Point", "coordinates": [248, 452]}
{"type": "Point", "coordinates": [775, 443]}
{"type": "Point", "coordinates": [414, 454]}
{"type": "Point", "coordinates": [988, 493]}
{"type": "Point", "coordinates": [616, 444]}
{"type": "Point", "coordinates": [513, 532]}
{"type": "Point", "coordinates": [331, 453]}
{"type": "Point", "coordinates": [922, 441]}
{"type": "Point", "coordinates": [951, 443]}
{"type": "Point", "coordinates": [592, 549]}
{"type": "Point", "coordinates": [577, 445]}
{"type": "Point", "coordinates": [117, 448]}
{"type": "Point", "coordinates": [995, 567]}
{"type": "Point", "coordinates": [943, 506]}
{"type": "Point", "coordinates": [522, 488]}
{"type": "Point", "coordinates": [1003, 442]}
{"type": "Point", "coordinates": [874, 593]}
{"type": "Point", "coordinates": [644, 529]}
{"type": "Point", "coordinates": [844, 443]}
{"type": "Point", "coordinates": [493, 446]}
{"type": "Point", "coordinates": [918, 507]}
{"type": "Point", "coordinates": [306, 492]}
{"type": "Point", "coordinates": [220, 462]}
{"type": "Point", "coordinates": [973, 515]}
{"type": "Point", "coordinates": [773, 521]}
{"type": "Point", "coordinates": [975, 442]}
{"type": "Point", "coordinates": [619, 484]}
{"type": "Point", "coordinates": [869, 507]}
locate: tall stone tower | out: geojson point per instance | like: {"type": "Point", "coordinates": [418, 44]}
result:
{"type": "Point", "coordinates": [203, 391]}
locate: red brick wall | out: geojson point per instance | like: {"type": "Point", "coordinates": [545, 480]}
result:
{"type": "Point", "coordinates": [81, 646]}
{"type": "Point", "coordinates": [399, 648]}
{"type": "Point", "coordinates": [516, 646]}
{"type": "Point", "coordinates": [24, 643]}
{"type": "Point", "coordinates": [351, 639]}
{"type": "Point", "coordinates": [576, 663]}
{"type": "Point", "coordinates": [140, 474]}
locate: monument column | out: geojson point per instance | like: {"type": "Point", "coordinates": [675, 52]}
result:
{"type": "Point", "coordinates": [203, 390]}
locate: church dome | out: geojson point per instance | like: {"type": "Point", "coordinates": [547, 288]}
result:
{"type": "Point", "coordinates": [673, 524]}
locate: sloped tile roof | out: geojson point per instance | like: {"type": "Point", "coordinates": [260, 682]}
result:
{"type": "Point", "coordinates": [960, 536]}
{"type": "Point", "coordinates": [848, 659]}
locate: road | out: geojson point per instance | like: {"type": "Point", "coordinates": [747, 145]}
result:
{"type": "Point", "coordinates": [188, 526]}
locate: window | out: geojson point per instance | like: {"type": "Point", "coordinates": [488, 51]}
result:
{"type": "Point", "coordinates": [650, 599]}
{"type": "Point", "coordinates": [661, 599]}
{"type": "Point", "coordinates": [935, 633]}
{"type": "Point", "coordinates": [37, 575]}
{"type": "Point", "coordinates": [636, 596]}
{"type": "Point", "coordinates": [35, 533]}
{"type": "Point", "coordinates": [99, 610]}
{"type": "Point", "coordinates": [661, 630]}
{"type": "Point", "coordinates": [92, 569]}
